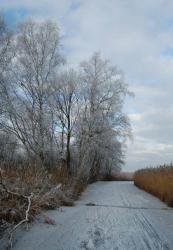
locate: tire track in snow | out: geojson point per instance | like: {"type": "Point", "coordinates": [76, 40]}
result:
{"type": "Point", "coordinates": [152, 240]}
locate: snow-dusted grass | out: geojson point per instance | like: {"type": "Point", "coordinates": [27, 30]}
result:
{"type": "Point", "coordinates": [157, 181]}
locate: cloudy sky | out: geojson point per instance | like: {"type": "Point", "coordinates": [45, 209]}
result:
{"type": "Point", "coordinates": [137, 36]}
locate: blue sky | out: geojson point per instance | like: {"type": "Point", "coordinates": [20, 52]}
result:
{"type": "Point", "coordinates": [14, 16]}
{"type": "Point", "coordinates": [137, 36]}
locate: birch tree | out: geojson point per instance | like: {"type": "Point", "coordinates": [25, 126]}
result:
{"type": "Point", "coordinates": [57, 113]}
{"type": "Point", "coordinates": [37, 59]}
{"type": "Point", "coordinates": [102, 117]}
{"type": "Point", "coordinates": [65, 101]}
{"type": "Point", "coordinates": [6, 55]}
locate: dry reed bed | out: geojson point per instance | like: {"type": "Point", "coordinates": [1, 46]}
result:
{"type": "Point", "coordinates": [157, 181]}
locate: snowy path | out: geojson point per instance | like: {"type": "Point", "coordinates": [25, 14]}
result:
{"type": "Point", "coordinates": [123, 218]}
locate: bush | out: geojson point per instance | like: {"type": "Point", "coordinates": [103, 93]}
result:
{"type": "Point", "coordinates": [51, 189]}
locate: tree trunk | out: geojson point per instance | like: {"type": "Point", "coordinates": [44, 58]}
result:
{"type": "Point", "coordinates": [68, 157]}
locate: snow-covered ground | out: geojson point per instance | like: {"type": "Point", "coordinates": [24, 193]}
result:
{"type": "Point", "coordinates": [123, 218]}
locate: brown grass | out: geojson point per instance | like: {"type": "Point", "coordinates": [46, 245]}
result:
{"type": "Point", "coordinates": [157, 181]}
{"type": "Point", "coordinates": [42, 183]}
{"type": "Point", "coordinates": [51, 189]}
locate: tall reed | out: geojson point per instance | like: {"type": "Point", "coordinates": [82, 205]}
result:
{"type": "Point", "coordinates": [157, 181]}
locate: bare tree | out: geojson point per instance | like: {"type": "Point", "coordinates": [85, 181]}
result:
{"type": "Point", "coordinates": [65, 102]}
{"type": "Point", "coordinates": [6, 55]}
{"type": "Point", "coordinates": [58, 113]}
{"type": "Point", "coordinates": [8, 147]}
{"type": "Point", "coordinates": [37, 59]}
{"type": "Point", "coordinates": [102, 116]}
{"type": "Point", "coordinates": [6, 52]}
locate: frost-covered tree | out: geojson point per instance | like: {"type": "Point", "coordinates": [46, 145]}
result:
{"type": "Point", "coordinates": [102, 125]}
{"type": "Point", "coordinates": [6, 55]}
{"type": "Point", "coordinates": [65, 99]}
{"type": "Point", "coordinates": [35, 63]}
{"type": "Point", "coordinates": [60, 115]}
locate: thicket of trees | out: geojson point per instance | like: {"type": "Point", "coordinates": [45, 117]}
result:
{"type": "Point", "coordinates": [54, 115]}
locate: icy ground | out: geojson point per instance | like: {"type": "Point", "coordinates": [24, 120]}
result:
{"type": "Point", "coordinates": [123, 218]}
